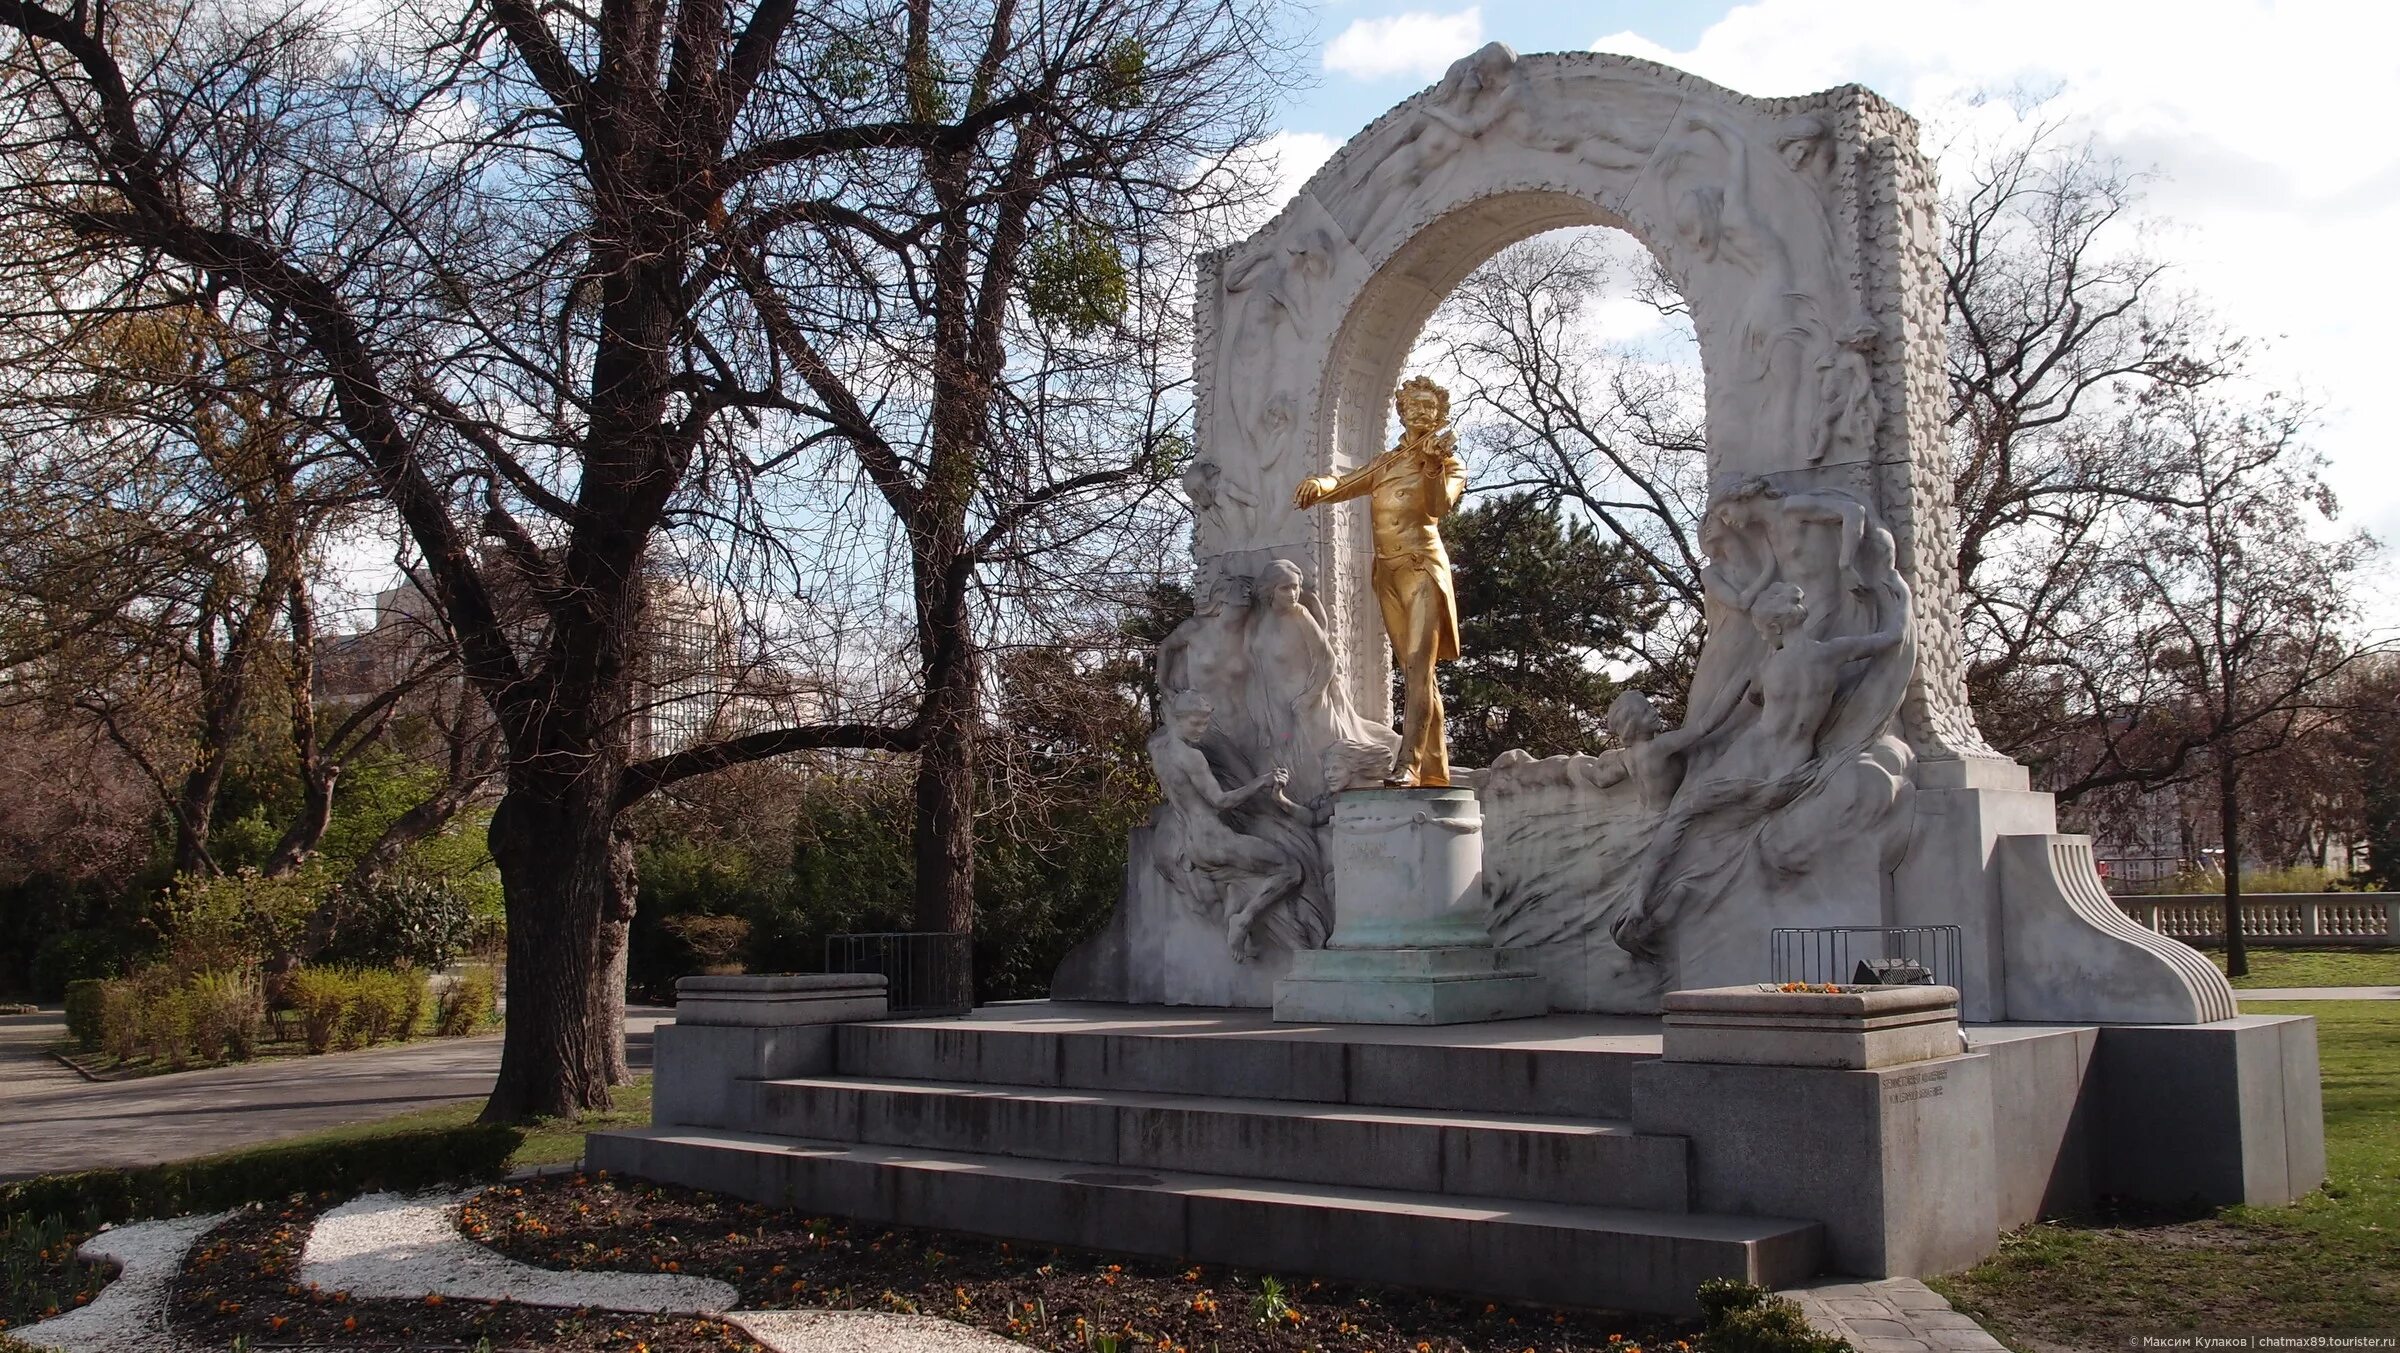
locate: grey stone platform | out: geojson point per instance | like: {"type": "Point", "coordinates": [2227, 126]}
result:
{"type": "Point", "coordinates": [1558, 1159]}
{"type": "Point", "coordinates": [1491, 1159]}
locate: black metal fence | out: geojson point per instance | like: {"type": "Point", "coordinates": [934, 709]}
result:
{"type": "Point", "coordinates": [1869, 955]}
{"type": "Point", "coordinates": [929, 972]}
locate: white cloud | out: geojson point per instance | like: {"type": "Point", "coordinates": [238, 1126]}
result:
{"type": "Point", "coordinates": [1292, 157]}
{"type": "Point", "coordinates": [2263, 119]}
{"type": "Point", "coordinates": [1282, 164]}
{"type": "Point", "coordinates": [1419, 42]}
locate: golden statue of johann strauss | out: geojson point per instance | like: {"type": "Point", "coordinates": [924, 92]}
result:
{"type": "Point", "coordinates": [1412, 487]}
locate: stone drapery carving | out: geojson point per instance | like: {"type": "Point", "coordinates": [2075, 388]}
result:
{"type": "Point", "coordinates": [1670, 848]}
{"type": "Point", "coordinates": [1219, 867]}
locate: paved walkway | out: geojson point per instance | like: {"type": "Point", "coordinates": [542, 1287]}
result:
{"type": "Point", "coordinates": [2317, 993]}
{"type": "Point", "coordinates": [52, 1119]}
{"type": "Point", "coordinates": [1894, 1315]}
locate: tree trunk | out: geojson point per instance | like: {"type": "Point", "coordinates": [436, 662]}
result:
{"type": "Point", "coordinates": [556, 866]}
{"type": "Point", "coordinates": [945, 826]}
{"type": "Point", "coordinates": [195, 808]}
{"type": "Point", "coordinates": [318, 772]}
{"type": "Point", "coordinates": [2229, 828]}
{"type": "Point", "coordinates": [616, 933]}
{"type": "Point", "coordinates": [307, 831]}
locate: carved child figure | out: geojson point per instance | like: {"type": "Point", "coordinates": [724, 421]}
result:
{"type": "Point", "coordinates": [1652, 754]}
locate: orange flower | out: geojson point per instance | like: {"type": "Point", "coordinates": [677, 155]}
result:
{"type": "Point", "coordinates": [433, 1298]}
{"type": "Point", "coordinates": [350, 1322]}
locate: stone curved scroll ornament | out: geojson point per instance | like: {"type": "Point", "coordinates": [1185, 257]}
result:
{"type": "Point", "coordinates": [2072, 954]}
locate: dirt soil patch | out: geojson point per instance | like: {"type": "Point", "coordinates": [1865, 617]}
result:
{"type": "Point", "coordinates": [1066, 1300]}
{"type": "Point", "coordinates": [242, 1281]}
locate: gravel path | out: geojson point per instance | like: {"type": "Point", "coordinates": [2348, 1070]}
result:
{"type": "Point", "coordinates": [385, 1245]}
{"type": "Point", "coordinates": [866, 1332]}
{"type": "Point", "coordinates": [131, 1312]}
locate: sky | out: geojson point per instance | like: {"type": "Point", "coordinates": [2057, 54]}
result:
{"type": "Point", "coordinates": [2266, 126]}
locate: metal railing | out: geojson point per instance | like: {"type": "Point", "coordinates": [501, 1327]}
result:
{"type": "Point", "coordinates": [2293, 919]}
{"type": "Point", "coordinates": [928, 972]}
{"type": "Point", "coordinates": [1868, 955]}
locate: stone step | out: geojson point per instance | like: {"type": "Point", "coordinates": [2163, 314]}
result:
{"type": "Point", "coordinates": [1490, 1247]}
{"type": "Point", "coordinates": [1246, 1057]}
{"type": "Point", "coordinates": [1567, 1160]}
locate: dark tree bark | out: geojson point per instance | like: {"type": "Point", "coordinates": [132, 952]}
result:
{"type": "Point", "coordinates": [2229, 829]}
{"type": "Point", "coordinates": [556, 1058]}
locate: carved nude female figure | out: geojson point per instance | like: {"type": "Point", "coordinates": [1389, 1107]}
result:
{"type": "Point", "coordinates": [1765, 767]}
{"type": "Point", "coordinates": [1306, 712]}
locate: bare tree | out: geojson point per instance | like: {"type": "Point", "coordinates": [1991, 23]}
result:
{"type": "Point", "coordinates": [518, 252]}
{"type": "Point", "coordinates": [2238, 592]}
{"type": "Point", "coordinates": [1552, 409]}
{"type": "Point", "coordinates": [159, 561]}
{"type": "Point", "coordinates": [990, 327]}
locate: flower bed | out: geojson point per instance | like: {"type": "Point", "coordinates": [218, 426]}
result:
{"type": "Point", "coordinates": [1065, 1300]}
{"type": "Point", "coordinates": [242, 1281]}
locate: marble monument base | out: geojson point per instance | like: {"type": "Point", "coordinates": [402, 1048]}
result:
{"type": "Point", "coordinates": [1409, 944]}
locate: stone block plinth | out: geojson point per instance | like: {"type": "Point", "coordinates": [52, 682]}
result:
{"type": "Point", "coordinates": [1856, 1109]}
{"type": "Point", "coordinates": [1854, 1030]}
{"type": "Point", "coordinates": [730, 1033]}
{"type": "Point", "coordinates": [1409, 944]}
{"type": "Point", "coordinates": [779, 1000]}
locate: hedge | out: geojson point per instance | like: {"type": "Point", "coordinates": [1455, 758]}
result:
{"type": "Point", "coordinates": [417, 1159]}
{"type": "Point", "coordinates": [83, 1011]}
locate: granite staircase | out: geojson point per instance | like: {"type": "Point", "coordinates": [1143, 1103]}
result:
{"type": "Point", "coordinates": [1467, 1162]}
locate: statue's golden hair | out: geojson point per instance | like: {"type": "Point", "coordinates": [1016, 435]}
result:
{"type": "Point", "coordinates": [1425, 383]}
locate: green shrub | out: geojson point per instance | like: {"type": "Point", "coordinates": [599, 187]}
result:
{"type": "Point", "coordinates": [378, 1000]}
{"type": "Point", "coordinates": [166, 1024]}
{"type": "Point", "coordinates": [403, 917]}
{"type": "Point", "coordinates": [121, 1018]}
{"type": "Point", "coordinates": [412, 1013]}
{"type": "Point", "coordinates": [1744, 1318]}
{"type": "Point", "coordinates": [83, 1012]}
{"type": "Point", "coordinates": [401, 1161]}
{"type": "Point", "coordinates": [237, 920]}
{"type": "Point", "coordinates": [466, 1003]}
{"type": "Point", "coordinates": [225, 1010]}
{"type": "Point", "coordinates": [322, 997]}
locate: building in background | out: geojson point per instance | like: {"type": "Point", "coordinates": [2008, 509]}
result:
{"type": "Point", "coordinates": [694, 682]}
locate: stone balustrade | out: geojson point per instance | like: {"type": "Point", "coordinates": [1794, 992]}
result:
{"type": "Point", "coordinates": [2297, 919]}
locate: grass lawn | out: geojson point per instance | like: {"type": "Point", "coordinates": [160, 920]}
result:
{"type": "Point", "coordinates": [552, 1141]}
{"type": "Point", "coordinates": [2325, 1263]}
{"type": "Point", "coordinates": [2317, 967]}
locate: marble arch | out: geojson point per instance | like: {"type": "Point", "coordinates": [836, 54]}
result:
{"type": "Point", "coordinates": [1803, 234]}
{"type": "Point", "coordinates": [1801, 230]}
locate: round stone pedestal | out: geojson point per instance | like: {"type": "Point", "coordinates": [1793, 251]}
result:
{"type": "Point", "coordinates": [1409, 944]}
